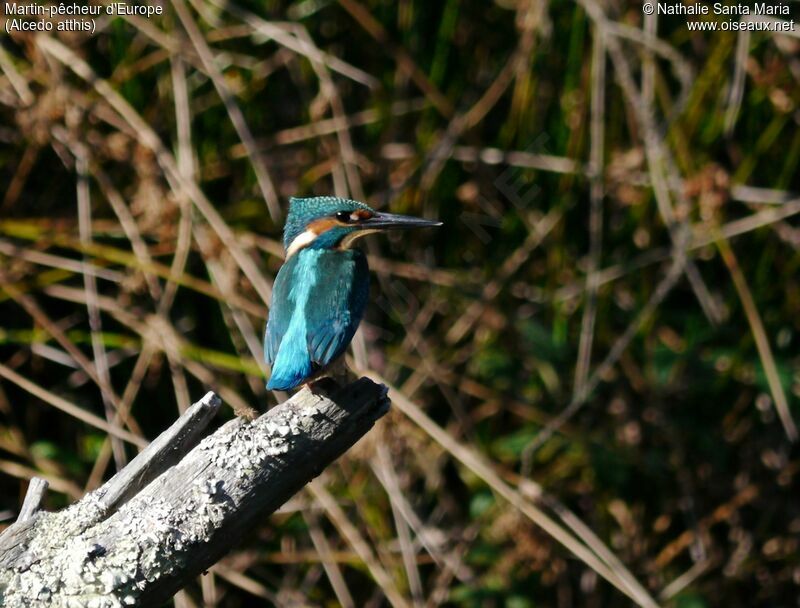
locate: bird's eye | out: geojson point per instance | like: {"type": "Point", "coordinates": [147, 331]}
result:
{"type": "Point", "coordinates": [345, 217]}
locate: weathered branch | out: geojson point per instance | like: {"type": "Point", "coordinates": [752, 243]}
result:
{"type": "Point", "coordinates": [179, 506]}
{"type": "Point", "coordinates": [33, 498]}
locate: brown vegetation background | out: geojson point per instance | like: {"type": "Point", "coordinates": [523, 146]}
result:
{"type": "Point", "coordinates": [594, 363]}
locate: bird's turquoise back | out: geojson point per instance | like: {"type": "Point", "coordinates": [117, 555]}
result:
{"type": "Point", "coordinates": [318, 300]}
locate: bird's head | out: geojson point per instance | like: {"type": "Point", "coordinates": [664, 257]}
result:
{"type": "Point", "coordinates": [329, 222]}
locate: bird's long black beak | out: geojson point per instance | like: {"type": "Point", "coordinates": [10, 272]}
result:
{"type": "Point", "coordinates": [388, 221]}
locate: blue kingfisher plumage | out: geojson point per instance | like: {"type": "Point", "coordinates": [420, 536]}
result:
{"type": "Point", "coordinates": [321, 290]}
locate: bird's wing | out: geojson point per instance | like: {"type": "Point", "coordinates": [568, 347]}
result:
{"type": "Point", "coordinates": [280, 312]}
{"type": "Point", "coordinates": [337, 305]}
{"type": "Point", "coordinates": [318, 300]}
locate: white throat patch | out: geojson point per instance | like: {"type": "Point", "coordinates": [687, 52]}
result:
{"type": "Point", "coordinates": [304, 239]}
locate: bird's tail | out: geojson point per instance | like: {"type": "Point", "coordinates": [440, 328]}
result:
{"type": "Point", "coordinates": [292, 365]}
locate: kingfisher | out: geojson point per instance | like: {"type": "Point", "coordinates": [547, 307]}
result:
{"type": "Point", "coordinates": [322, 288]}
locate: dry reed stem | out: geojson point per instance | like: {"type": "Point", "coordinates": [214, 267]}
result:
{"type": "Point", "coordinates": [761, 340]}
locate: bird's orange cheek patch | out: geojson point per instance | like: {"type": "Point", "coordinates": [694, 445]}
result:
{"type": "Point", "coordinates": [322, 225]}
